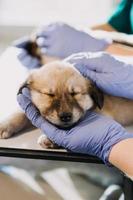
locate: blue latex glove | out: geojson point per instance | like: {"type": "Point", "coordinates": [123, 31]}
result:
{"type": "Point", "coordinates": [61, 40]}
{"type": "Point", "coordinates": [24, 56]}
{"type": "Point", "coordinates": [110, 75]}
{"type": "Point", "coordinates": [95, 134]}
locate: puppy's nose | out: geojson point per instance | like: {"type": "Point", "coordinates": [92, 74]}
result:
{"type": "Point", "coordinates": [65, 116]}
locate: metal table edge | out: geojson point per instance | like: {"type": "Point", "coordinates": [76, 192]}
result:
{"type": "Point", "coordinates": [48, 155]}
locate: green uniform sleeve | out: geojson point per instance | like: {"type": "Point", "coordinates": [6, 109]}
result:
{"type": "Point", "coordinates": [122, 18]}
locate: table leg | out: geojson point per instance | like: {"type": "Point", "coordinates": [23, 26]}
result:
{"type": "Point", "coordinates": [128, 188]}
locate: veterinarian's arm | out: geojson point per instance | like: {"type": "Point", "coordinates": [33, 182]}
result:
{"type": "Point", "coordinates": [121, 156]}
{"type": "Point", "coordinates": [116, 48]}
{"type": "Point", "coordinates": [104, 27]}
{"type": "Point", "coordinates": [110, 75]}
{"type": "Point", "coordinates": [119, 49]}
{"type": "Point", "coordinates": [95, 135]}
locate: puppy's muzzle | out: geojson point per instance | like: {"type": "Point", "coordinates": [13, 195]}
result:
{"type": "Point", "coordinates": [65, 117]}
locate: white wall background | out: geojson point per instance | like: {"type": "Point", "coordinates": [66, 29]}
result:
{"type": "Point", "coordinates": [35, 12]}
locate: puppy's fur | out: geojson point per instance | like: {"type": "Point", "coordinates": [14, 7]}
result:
{"type": "Point", "coordinates": [58, 88]}
{"type": "Point", "coordinates": [63, 96]}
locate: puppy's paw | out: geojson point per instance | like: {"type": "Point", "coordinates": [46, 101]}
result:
{"type": "Point", "coordinates": [5, 130]}
{"type": "Point", "coordinates": [45, 142]}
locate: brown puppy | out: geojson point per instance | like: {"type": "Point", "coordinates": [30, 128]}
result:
{"type": "Point", "coordinates": [65, 91]}
{"type": "Point", "coordinates": [62, 96]}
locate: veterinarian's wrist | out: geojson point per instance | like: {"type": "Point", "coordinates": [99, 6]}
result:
{"type": "Point", "coordinates": [121, 156]}
{"type": "Point", "coordinates": [118, 49]}
{"type": "Point", "coordinates": [108, 147]}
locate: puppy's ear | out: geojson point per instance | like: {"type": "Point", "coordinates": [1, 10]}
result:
{"type": "Point", "coordinates": [21, 87]}
{"type": "Point", "coordinates": [33, 49]}
{"type": "Point", "coordinates": [97, 96]}
{"type": "Point", "coordinates": [25, 84]}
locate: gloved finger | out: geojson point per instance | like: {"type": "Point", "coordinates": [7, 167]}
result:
{"type": "Point", "coordinates": [47, 30]}
{"type": "Point", "coordinates": [31, 63]}
{"type": "Point", "coordinates": [22, 42]}
{"type": "Point", "coordinates": [30, 110]}
{"type": "Point", "coordinates": [34, 63]}
{"type": "Point", "coordinates": [44, 31]}
{"type": "Point", "coordinates": [28, 60]}
{"type": "Point", "coordinates": [77, 57]}
{"type": "Point", "coordinates": [54, 133]}
{"type": "Point", "coordinates": [22, 54]}
{"type": "Point", "coordinates": [87, 73]}
{"type": "Point", "coordinates": [45, 34]}
{"type": "Point", "coordinates": [43, 42]}
{"type": "Point", "coordinates": [43, 50]}
{"type": "Point", "coordinates": [82, 68]}
{"type": "Point", "coordinates": [47, 51]}
{"type": "Point", "coordinates": [23, 101]}
{"type": "Point", "coordinates": [26, 92]}
{"type": "Point", "coordinates": [102, 62]}
{"type": "Point", "coordinates": [93, 61]}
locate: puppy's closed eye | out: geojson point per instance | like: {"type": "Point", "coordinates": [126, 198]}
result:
{"type": "Point", "coordinates": [49, 94]}
{"type": "Point", "coordinates": [74, 93]}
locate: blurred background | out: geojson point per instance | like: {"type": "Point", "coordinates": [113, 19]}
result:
{"type": "Point", "coordinates": [47, 180]}
{"type": "Point", "coordinates": [18, 17]}
{"type": "Point", "coordinates": [33, 13]}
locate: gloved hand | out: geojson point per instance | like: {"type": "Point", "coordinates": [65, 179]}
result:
{"type": "Point", "coordinates": [110, 75]}
{"type": "Point", "coordinates": [24, 56]}
{"type": "Point", "coordinates": [61, 40]}
{"type": "Point", "coordinates": [95, 134]}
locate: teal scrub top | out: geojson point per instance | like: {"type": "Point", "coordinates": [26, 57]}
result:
{"type": "Point", "coordinates": [122, 18]}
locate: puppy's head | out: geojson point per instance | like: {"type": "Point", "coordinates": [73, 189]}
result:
{"type": "Point", "coordinates": [62, 94]}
